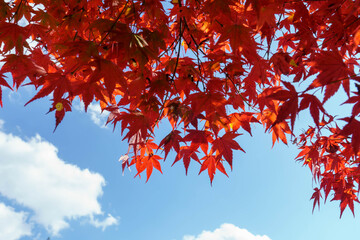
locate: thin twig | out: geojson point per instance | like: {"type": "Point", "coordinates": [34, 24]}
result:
{"type": "Point", "coordinates": [114, 23]}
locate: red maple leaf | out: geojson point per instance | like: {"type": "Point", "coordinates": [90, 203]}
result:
{"type": "Point", "coordinates": [316, 196]}
{"type": "Point", "coordinates": [315, 106]}
{"type": "Point", "coordinates": [3, 82]}
{"type": "Point", "coordinates": [224, 146]}
{"type": "Point", "coordinates": [148, 163]}
{"type": "Point", "coordinates": [186, 153]}
{"type": "Point", "coordinates": [333, 73]}
{"type": "Point", "coordinates": [206, 68]}
{"type": "Point", "coordinates": [212, 163]}
{"type": "Point", "coordinates": [171, 141]}
{"type": "Point", "coordinates": [352, 128]}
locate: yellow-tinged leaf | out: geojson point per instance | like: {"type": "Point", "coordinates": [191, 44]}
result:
{"type": "Point", "coordinates": [215, 66]}
{"type": "Point", "coordinates": [59, 106]}
{"type": "Point", "coordinates": [293, 63]}
{"type": "Point", "coordinates": [140, 41]}
{"type": "Point", "coordinates": [205, 27]}
{"type": "Point", "coordinates": [291, 17]}
{"type": "Point", "coordinates": [184, 44]}
{"type": "Point", "coordinates": [357, 37]}
{"type": "Point", "coordinates": [128, 11]}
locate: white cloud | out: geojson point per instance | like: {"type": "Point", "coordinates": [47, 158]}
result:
{"type": "Point", "coordinates": [108, 221]}
{"type": "Point", "coordinates": [13, 224]}
{"type": "Point", "coordinates": [33, 175]}
{"type": "Point", "coordinates": [20, 96]}
{"type": "Point", "coordinates": [94, 110]}
{"type": "Point", "coordinates": [96, 115]}
{"type": "Point", "coordinates": [2, 122]}
{"type": "Point", "coordinates": [227, 232]}
{"type": "Point", "coordinates": [14, 96]}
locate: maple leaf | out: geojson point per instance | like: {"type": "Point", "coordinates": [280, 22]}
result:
{"type": "Point", "coordinates": [3, 82]}
{"type": "Point", "coordinates": [316, 196]}
{"type": "Point", "coordinates": [347, 197]}
{"type": "Point", "coordinates": [212, 163]}
{"type": "Point", "coordinates": [289, 107]}
{"type": "Point", "coordinates": [222, 5]}
{"type": "Point", "coordinates": [136, 122]}
{"type": "Point", "coordinates": [148, 163]}
{"type": "Point", "coordinates": [55, 83]}
{"type": "Point", "coordinates": [315, 106]}
{"type": "Point", "coordinates": [281, 63]}
{"type": "Point", "coordinates": [13, 36]}
{"type": "Point", "coordinates": [356, 101]}
{"type": "Point", "coordinates": [91, 91]}
{"type": "Point", "coordinates": [243, 120]}
{"type": "Point", "coordinates": [171, 141]}
{"type": "Point", "coordinates": [333, 72]}
{"type": "Point", "coordinates": [225, 145]}
{"type": "Point", "coordinates": [20, 67]}
{"type": "Point", "coordinates": [278, 132]}
{"type": "Point", "coordinates": [198, 139]}
{"type": "Point", "coordinates": [240, 39]}
{"type": "Point", "coordinates": [205, 67]}
{"type": "Point", "coordinates": [60, 107]}
{"type": "Point", "coordinates": [351, 128]}
{"type": "Point", "coordinates": [110, 74]}
{"type": "Point", "coordinates": [124, 160]}
{"type": "Point", "coordinates": [186, 153]}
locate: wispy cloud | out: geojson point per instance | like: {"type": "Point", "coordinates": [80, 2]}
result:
{"type": "Point", "coordinates": [94, 111]}
{"type": "Point", "coordinates": [34, 176]}
{"type": "Point", "coordinates": [108, 221]}
{"type": "Point", "coordinates": [96, 115]}
{"type": "Point", "coordinates": [227, 232]}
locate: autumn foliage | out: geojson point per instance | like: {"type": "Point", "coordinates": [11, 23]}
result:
{"type": "Point", "coordinates": [211, 68]}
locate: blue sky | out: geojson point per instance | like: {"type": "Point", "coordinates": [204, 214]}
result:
{"type": "Point", "coordinates": [69, 185]}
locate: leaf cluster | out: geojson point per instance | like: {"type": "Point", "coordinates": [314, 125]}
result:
{"type": "Point", "coordinates": [211, 68]}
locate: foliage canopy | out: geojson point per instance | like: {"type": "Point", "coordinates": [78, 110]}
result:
{"type": "Point", "coordinates": [212, 68]}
